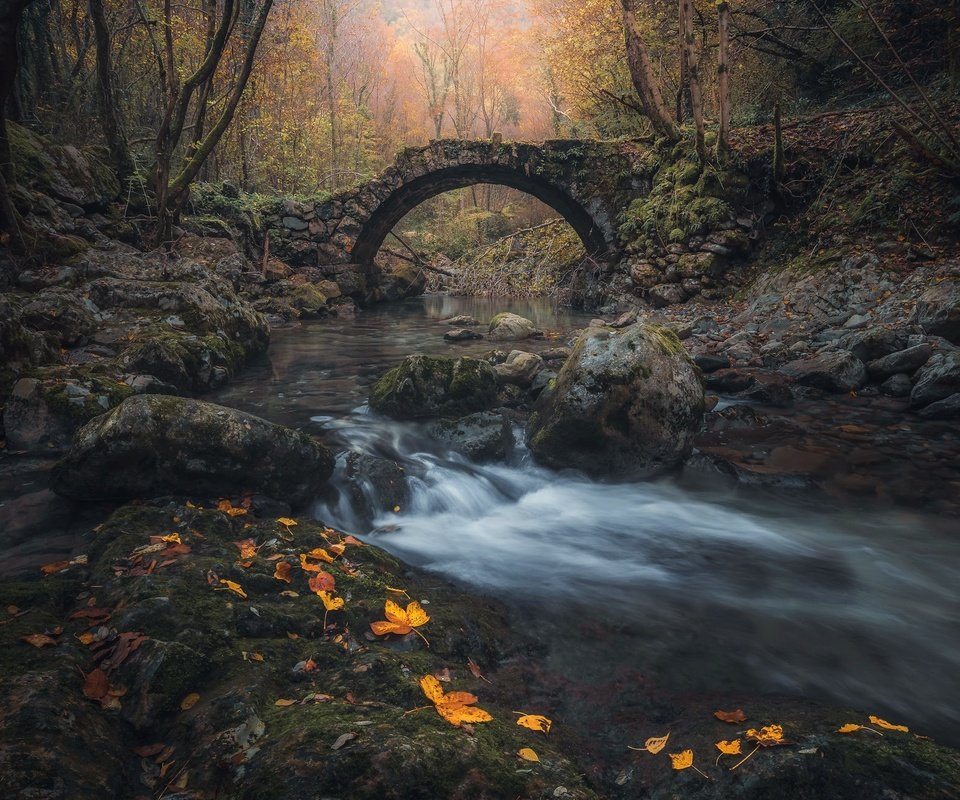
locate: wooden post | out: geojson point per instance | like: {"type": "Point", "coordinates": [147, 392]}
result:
{"type": "Point", "coordinates": [778, 168]}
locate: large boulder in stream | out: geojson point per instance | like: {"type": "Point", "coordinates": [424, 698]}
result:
{"type": "Point", "coordinates": [432, 386]}
{"type": "Point", "coordinates": [151, 445]}
{"type": "Point", "coordinates": [507, 327]}
{"type": "Point", "coordinates": [484, 436]}
{"type": "Point", "coordinates": [626, 402]}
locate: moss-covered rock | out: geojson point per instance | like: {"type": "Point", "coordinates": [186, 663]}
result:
{"type": "Point", "coordinates": [626, 402]}
{"type": "Point", "coordinates": [152, 444]}
{"type": "Point", "coordinates": [61, 171]}
{"type": "Point", "coordinates": [430, 386]}
{"type": "Point", "coordinates": [509, 327]}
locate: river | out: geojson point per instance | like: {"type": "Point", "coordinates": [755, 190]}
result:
{"type": "Point", "coordinates": [704, 585]}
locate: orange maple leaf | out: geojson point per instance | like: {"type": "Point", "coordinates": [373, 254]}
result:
{"type": "Point", "coordinates": [401, 621]}
{"type": "Point", "coordinates": [455, 707]}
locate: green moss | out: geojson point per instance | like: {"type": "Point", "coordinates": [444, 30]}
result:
{"type": "Point", "coordinates": [685, 200]}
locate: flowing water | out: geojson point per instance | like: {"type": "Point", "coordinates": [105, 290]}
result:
{"type": "Point", "coordinates": [708, 586]}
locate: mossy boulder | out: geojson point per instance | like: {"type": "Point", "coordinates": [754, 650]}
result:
{"type": "Point", "coordinates": [61, 312]}
{"type": "Point", "coordinates": [509, 327]}
{"type": "Point", "coordinates": [938, 310]}
{"type": "Point", "coordinates": [44, 410]}
{"type": "Point", "coordinates": [401, 280]}
{"type": "Point", "coordinates": [62, 171]}
{"type": "Point", "coordinates": [430, 386]}
{"type": "Point", "coordinates": [484, 436]}
{"type": "Point", "coordinates": [627, 402]}
{"type": "Point", "coordinates": [155, 444]}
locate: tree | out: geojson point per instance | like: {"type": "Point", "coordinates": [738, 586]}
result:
{"type": "Point", "coordinates": [109, 109]}
{"type": "Point", "coordinates": [691, 62]}
{"type": "Point", "coordinates": [644, 80]}
{"type": "Point", "coordinates": [222, 23]}
{"type": "Point", "coordinates": [723, 77]}
{"type": "Point", "coordinates": [11, 11]}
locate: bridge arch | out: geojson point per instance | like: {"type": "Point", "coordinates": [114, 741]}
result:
{"type": "Point", "coordinates": [382, 219]}
{"type": "Point", "coordinates": [589, 183]}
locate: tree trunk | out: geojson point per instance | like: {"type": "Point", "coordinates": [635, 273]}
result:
{"type": "Point", "coordinates": [109, 109]}
{"type": "Point", "coordinates": [692, 61]}
{"type": "Point", "coordinates": [644, 81]}
{"type": "Point", "coordinates": [778, 166]}
{"type": "Point", "coordinates": [10, 13]}
{"type": "Point", "coordinates": [723, 78]}
{"type": "Point", "coordinates": [953, 43]}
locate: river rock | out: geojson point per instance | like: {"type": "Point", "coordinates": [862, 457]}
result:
{"type": "Point", "coordinates": [833, 371]}
{"type": "Point", "coordinates": [666, 294]}
{"type": "Point", "coordinates": [520, 369]}
{"type": "Point", "coordinates": [62, 313]}
{"type": "Point", "coordinates": [156, 444]}
{"type": "Point", "coordinates": [870, 344]}
{"type": "Point", "coordinates": [711, 362]}
{"type": "Point", "coordinates": [512, 327]}
{"type": "Point", "coordinates": [937, 379]}
{"type": "Point", "coordinates": [938, 310]}
{"type": "Point", "coordinates": [484, 436]}
{"type": "Point", "coordinates": [948, 408]}
{"type": "Point", "coordinates": [431, 386]}
{"type": "Point", "coordinates": [906, 361]}
{"type": "Point", "coordinates": [897, 385]}
{"type": "Point", "coordinates": [626, 402]}
{"type": "Point", "coordinates": [461, 335]}
{"type": "Point", "coordinates": [376, 484]}
{"type": "Point", "coordinates": [401, 280]}
{"type": "Point", "coordinates": [460, 321]}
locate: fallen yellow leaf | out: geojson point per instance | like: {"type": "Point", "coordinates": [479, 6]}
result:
{"type": "Point", "coordinates": [850, 727]}
{"type": "Point", "coordinates": [330, 602]}
{"type": "Point", "coordinates": [287, 521]}
{"type": "Point", "coordinates": [882, 723]}
{"type": "Point", "coordinates": [455, 707]}
{"type": "Point", "coordinates": [653, 745]}
{"type": "Point", "coordinates": [534, 722]}
{"type": "Point", "coordinates": [189, 701]}
{"type": "Point", "coordinates": [283, 703]}
{"type": "Point", "coordinates": [682, 760]}
{"type": "Point", "coordinates": [527, 754]}
{"type": "Point", "coordinates": [731, 748]}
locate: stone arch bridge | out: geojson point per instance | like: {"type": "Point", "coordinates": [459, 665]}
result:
{"type": "Point", "coordinates": [588, 183]}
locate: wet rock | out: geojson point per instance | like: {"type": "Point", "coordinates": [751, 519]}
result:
{"type": "Point", "coordinates": [937, 379]}
{"type": "Point", "coordinates": [43, 413]}
{"type": "Point", "coordinates": [484, 436]}
{"type": "Point", "coordinates": [61, 312]}
{"type": "Point", "coordinates": [461, 335]}
{"type": "Point", "coordinates": [376, 484]}
{"type": "Point", "coordinates": [626, 402]}
{"type": "Point", "coordinates": [948, 408]}
{"type": "Point", "coordinates": [511, 328]}
{"type": "Point", "coordinates": [401, 280]}
{"type": "Point", "coordinates": [906, 361]}
{"type": "Point", "coordinates": [54, 743]}
{"type": "Point", "coordinates": [897, 386]}
{"type": "Point", "coordinates": [155, 444]}
{"type": "Point", "coordinates": [711, 362]}
{"type": "Point", "coordinates": [184, 360]}
{"type": "Point", "coordinates": [730, 380]}
{"type": "Point", "coordinates": [871, 344]}
{"type": "Point", "coordinates": [666, 294]}
{"type": "Point", "coordinates": [938, 310]}
{"type": "Point", "coordinates": [556, 353]}
{"type": "Point", "coordinates": [520, 368]}
{"type": "Point", "coordinates": [460, 321]}
{"type": "Point", "coordinates": [833, 371]}
{"type": "Point", "coordinates": [430, 386]}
